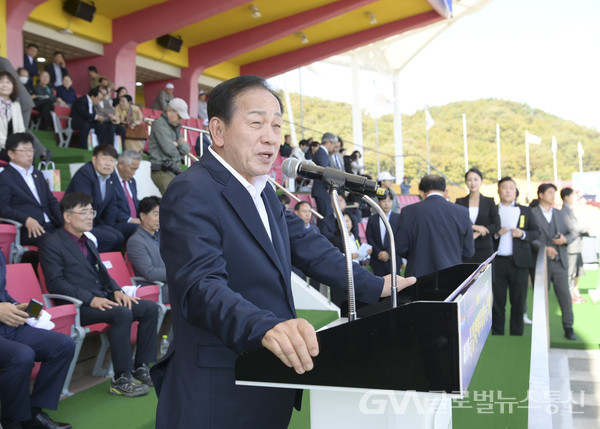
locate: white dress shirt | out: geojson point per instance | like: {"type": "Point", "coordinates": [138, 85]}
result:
{"type": "Point", "coordinates": [254, 189]}
{"type": "Point", "coordinates": [509, 217]}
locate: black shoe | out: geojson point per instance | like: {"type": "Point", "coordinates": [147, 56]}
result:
{"type": "Point", "coordinates": [142, 374]}
{"type": "Point", "coordinates": [9, 423]}
{"type": "Point", "coordinates": [43, 421]}
{"type": "Point", "coordinates": [126, 386]}
{"type": "Point", "coordinates": [569, 334]}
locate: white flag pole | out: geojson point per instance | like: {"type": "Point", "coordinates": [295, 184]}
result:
{"type": "Point", "coordinates": [427, 141]}
{"type": "Point", "coordinates": [554, 150]}
{"type": "Point", "coordinates": [527, 164]}
{"type": "Point", "coordinates": [465, 140]}
{"type": "Point", "coordinates": [580, 153]}
{"type": "Point", "coordinates": [498, 150]}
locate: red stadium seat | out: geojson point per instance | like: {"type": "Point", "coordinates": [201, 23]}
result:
{"type": "Point", "coordinates": [58, 195]}
{"type": "Point", "coordinates": [23, 285]}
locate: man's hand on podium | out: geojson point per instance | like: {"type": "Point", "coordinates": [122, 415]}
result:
{"type": "Point", "coordinates": [294, 342]}
{"type": "Point", "coordinates": [401, 283]}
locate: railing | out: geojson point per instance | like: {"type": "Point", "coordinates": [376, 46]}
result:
{"type": "Point", "coordinates": [539, 370]}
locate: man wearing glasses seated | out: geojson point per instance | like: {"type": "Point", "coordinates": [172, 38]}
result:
{"type": "Point", "coordinates": [24, 194]}
{"type": "Point", "coordinates": [72, 267]}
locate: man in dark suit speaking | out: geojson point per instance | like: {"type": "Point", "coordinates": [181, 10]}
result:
{"type": "Point", "coordinates": [434, 233]}
{"type": "Point", "coordinates": [228, 245]}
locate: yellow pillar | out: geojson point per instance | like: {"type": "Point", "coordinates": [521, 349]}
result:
{"type": "Point", "coordinates": [3, 28]}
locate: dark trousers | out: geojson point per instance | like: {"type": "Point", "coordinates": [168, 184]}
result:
{"type": "Point", "coordinates": [126, 229]}
{"type": "Point", "coordinates": [45, 106]}
{"type": "Point", "coordinates": [104, 132]}
{"type": "Point", "coordinates": [559, 276]}
{"type": "Point", "coordinates": [120, 318]}
{"type": "Point", "coordinates": [109, 238]}
{"type": "Point", "coordinates": [19, 348]}
{"type": "Point", "coordinates": [508, 277]}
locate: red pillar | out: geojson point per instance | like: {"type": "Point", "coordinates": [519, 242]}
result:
{"type": "Point", "coordinates": [17, 12]}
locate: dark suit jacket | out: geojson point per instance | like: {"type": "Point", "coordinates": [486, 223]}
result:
{"type": "Point", "coordinates": [50, 69]}
{"type": "Point", "coordinates": [18, 203]}
{"type": "Point", "coordinates": [522, 248]}
{"type": "Point", "coordinates": [86, 181]}
{"type": "Point", "coordinates": [373, 234]}
{"type": "Point", "coordinates": [32, 67]}
{"type": "Point", "coordinates": [546, 235]}
{"type": "Point", "coordinates": [68, 272]}
{"type": "Point", "coordinates": [4, 296]}
{"type": "Point", "coordinates": [122, 206]}
{"type": "Point", "coordinates": [488, 217]}
{"type": "Point", "coordinates": [229, 284]}
{"type": "Point", "coordinates": [434, 234]}
{"type": "Point", "coordinates": [319, 190]}
{"type": "Point", "coordinates": [80, 112]}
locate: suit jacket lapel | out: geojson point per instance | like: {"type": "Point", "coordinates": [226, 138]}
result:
{"type": "Point", "coordinates": [21, 182]}
{"type": "Point", "coordinates": [75, 251]}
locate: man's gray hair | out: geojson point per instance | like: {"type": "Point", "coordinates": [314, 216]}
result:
{"type": "Point", "coordinates": [329, 137]}
{"type": "Point", "coordinates": [130, 155]}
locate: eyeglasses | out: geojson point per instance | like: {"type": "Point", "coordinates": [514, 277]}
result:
{"type": "Point", "coordinates": [24, 150]}
{"type": "Point", "coordinates": [85, 213]}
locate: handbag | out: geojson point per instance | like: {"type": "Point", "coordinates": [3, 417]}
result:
{"type": "Point", "coordinates": [51, 174]}
{"type": "Point", "coordinates": [139, 132]}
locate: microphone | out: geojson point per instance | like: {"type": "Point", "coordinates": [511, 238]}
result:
{"type": "Point", "coordinates": [293, 168]}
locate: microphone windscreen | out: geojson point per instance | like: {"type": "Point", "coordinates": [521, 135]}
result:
{"type": "Point", "coordinates": [289, 168]}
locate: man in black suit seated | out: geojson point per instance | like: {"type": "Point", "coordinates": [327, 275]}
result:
{"type": "Point", "coordinates": [95, 179]}
{"type": "Point", "coordinates": [434, 233]}
{"type": "Point", "coordinates": [21, 345]}
{"type": "Point", "coordinates": [511, 266]}
{"type": "Point", "coordinates": [84, 118]}
{"type": "Point", "coordinates": [24, 194]}
{"type": "Point", "coordinates": [127, 220]}
{"type": "Point", "coordinates": [72, 267]}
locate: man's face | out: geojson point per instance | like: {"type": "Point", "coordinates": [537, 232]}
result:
{"type": "Point", "coordinates": [202, 97]}
{"type": "Point", "coordinates": [342, 203]}
{"type": "Point", "coordinates": [249, 143]}
{"type": "Point", "coordinates": [151, 221]}
{"type": "Point", "coordinates": [507, 191]}
{"type": "Point", "coordinates": [288, 139]}
{"type": "Point", "coordinates": [80, 219]}
{"type": "Point", "coordinates": [548, 196]}
{"type": "Point", "coordinates": [22, 155]}
{"type": "Point", "coordinates": [45, 77]}
{"type": "Point", "coordinates": [32, 51]}
{"type": "Point", "coordinates": [173, 116]}
{"type": "Point", "coordinates": [127, 171]}
{"type": "Point", "coordinates": [304, 213]}
{"type": "Point", "coordinates": [386, 205]}
{"type": "Point", "coordinates": [330, 146]}
{"type": "Point", "coordinates": [336, 147]}
{"type": "Point", "coordinates": [104, 164]}
{"type": "Point", "coordinates": [59, 60]}
{"type": "Point", "coordinates": [169, 90]}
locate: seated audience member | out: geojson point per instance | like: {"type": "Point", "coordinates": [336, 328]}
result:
{"type": "Point", "coordinates": [302, 209]}
{"type": "Point", "coordinates": [97, 80]}
{"type": "Point", "coordinates": [126, 195]}
{"type": "Point", "coordinates": [355, 241]}
{"type": "Point", "coordinates": [30, 64]}
{"type": "Point", "coordinates": [44, 99]}
{"type": "Point", "coordinates": [286, 148]}
{"type": "Point", "coordinates": [513, 241]}
{"type": "Point", "coordinates": [356, 165]}
{"type": "Point", "coordinates": [72, 267]}
{"type": "Point", "coordinates": [95, 179]}
{"type": "Point", "coordinates": [21, 345]}
{"type": "Point", "coordinates": [129, 116]}
{"type": "Point", "coordinates": [143, 247]}
{"type": "Point", "coordinates": [161, 102]}
{"type": "Point", "coordinates": [65, 94]}
{"type": "Point", "coordinates": [299, 151]}
{"type": "Point", "coordinates": [27, 105]}
{"type": "Point", "coordinates": [23, 75]}
{"type": "Point", "coordinates": [329, 224]}
{"type": "Point", "coordinates": [121, 91]}
{"type": "Point", "coordinates": [377, 236]}
{"type": "Point", "coordinates": [166, 146]}
{"type": "Point", "coordinates": [312, 149]}
{"type": "Point", "coordinates": [285, 200]}
{"type": "Point", "coordinates": [56, 69]}
{"type": "Point", "coordinates": [85, 118]}
{"type": "Point", "coordinates": [105, 108]}
{"type": "Point", "coordinates": [11, 117]}
{"type": "Point", "coordinates": [434, 233]}
{"type": "Point", "coordinates": [24, 193]}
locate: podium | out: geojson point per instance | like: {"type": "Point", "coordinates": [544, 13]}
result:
{"type": "Point", "coordinates": [393, 367]}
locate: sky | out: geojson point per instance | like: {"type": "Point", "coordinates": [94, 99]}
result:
{"type": "Point", "coordinates": [545, 53]}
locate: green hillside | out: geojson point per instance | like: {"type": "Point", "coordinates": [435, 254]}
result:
{"type": "Point", "coordinates": [446, 137]}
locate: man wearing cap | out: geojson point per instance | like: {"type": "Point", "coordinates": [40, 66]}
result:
{"type": "Point", "coordinates": [166, 145]}
{"type": "Point", "coordinates": [385, 180]}
{"type": "Point", "coordinates": [163, 98]}
{"type": "Point", "coordinates": [202, 110]}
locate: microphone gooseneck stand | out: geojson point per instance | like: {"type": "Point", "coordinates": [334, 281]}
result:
{"type": "Point", "coordinates": [349, 271]}
{"type": "Point", "coordinates": [390, 233]}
